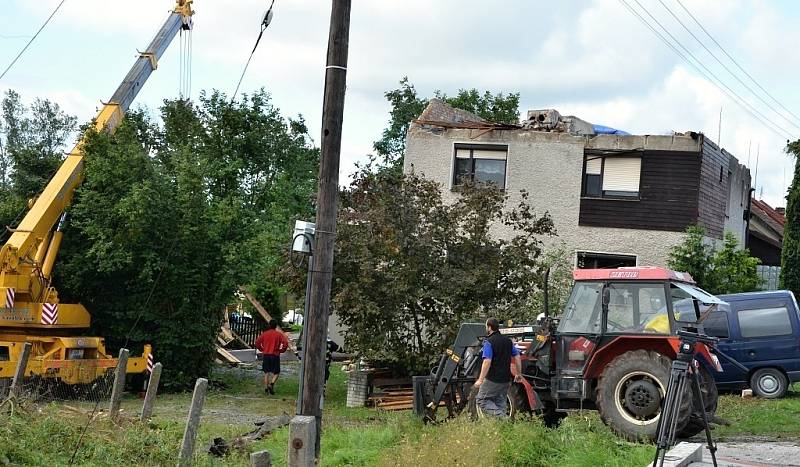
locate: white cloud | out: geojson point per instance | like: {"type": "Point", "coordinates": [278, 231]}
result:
{"type": "Point", "coordinates": [590, 58]}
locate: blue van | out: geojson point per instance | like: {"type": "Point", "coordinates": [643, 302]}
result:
{"type": "Point", "coordinates": [762, 331]}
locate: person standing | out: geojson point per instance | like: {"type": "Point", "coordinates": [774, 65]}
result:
{"type": "Point", "coordinates": [495, 375]}
{"type": "Point", "coordinates": [271, 344]}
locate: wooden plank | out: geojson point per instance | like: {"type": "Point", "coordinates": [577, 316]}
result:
{"type": "Point", "coordinates": [256, 304]}
{"type": "Point", "coordinates": [227, 356]}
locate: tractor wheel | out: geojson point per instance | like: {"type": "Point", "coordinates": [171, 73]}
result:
{"type": "Point", "coordinates": [630, 391]}
{"type": "Point", "coordinates": [516, 403]}
{"type": "Point", "coordinates": [708, 389]}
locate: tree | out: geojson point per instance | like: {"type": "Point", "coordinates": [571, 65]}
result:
{"type": "Point", "coordinates": [32, 140]}
{"type": "Point", "coordinates": [172, 219]}
{"type": "Point", "coordinates": [407, 106]}
{"type": "Point", "coordinates": [410, 268]}
{"type": "Point", "coordinates": [695, 256]}
{"type": "Point", "coordinates": [729, 269]}
{"type": "Point", "coordinates": [790, 254]}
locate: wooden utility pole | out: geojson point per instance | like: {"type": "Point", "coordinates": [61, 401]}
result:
{"type": "Point", "coordinates": [327, 200]}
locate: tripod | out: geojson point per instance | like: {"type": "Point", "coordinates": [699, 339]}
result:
{"type": "Point", "coordinates": [681, 375]}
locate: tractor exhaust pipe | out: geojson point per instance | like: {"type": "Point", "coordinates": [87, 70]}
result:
{"type": "Point", "coordinates": [546, 289]}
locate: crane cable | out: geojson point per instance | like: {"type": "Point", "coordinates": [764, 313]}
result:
{"type": "Point", "coordinates": [264, 23]}
{"type": "Point", "coordinates": [32, 39]}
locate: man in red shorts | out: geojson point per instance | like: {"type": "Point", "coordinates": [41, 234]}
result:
{"type": "Point", "coordinates": [271, 343]}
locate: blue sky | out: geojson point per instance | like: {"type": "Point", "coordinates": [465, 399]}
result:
{"type": "Point", "coordinates": [588, 58]}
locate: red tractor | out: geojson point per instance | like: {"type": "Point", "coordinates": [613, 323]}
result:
{"type": "Point", "coordinates": [610, 350]}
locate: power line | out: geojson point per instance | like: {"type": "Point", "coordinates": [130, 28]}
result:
{"type": "Point", "coordinates": [735, 75]}
{"type": "Point", "coordinates": [264, 23]}
{"type": "Point", "coordinates": [32, 39]}
{"type": "Point", "coordinates": [742, 101]}
{"type": "Point", "coordinates": [715, 81]}
{"type": "Point", "coordinates": [734, 61]}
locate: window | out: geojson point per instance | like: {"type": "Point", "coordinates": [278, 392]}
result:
{"type": "Point", "coordinates": [637, 307]}
{"type": "Point", "coordinates": [717, 325]}
{"type": "Point", "coordinates": [587, 260]}
{"type": "Point", "coordinates": [611, 176]}
{"type": "Point", "coordinates": [765, 322]}
{"type": "Point", "coordinates": [583, 310]}
{"type": "Point", "coordinates": [480, 163]}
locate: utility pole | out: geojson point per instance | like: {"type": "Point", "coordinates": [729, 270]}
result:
{"type": "Point", "coordinates": [327, 200]}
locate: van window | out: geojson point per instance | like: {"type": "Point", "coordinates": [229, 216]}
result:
{"type": "Point", "coordinates": [717, 325]}
{"type": "Point", "coordinates": [762, 322]}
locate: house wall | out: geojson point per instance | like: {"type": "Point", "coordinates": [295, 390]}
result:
{"type": "Point", "coordinates": [667, 196]}
{"type": "Point", "coordinates": [549, 166]}
{"type": "Point", "coordinates": [738, 192]}
{"type": "Point", "coordinates": [713, 198]}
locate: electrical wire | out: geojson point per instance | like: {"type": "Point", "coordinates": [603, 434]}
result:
{"type": "Point", "coordinates": [718, 80]}
{"type": "Point", "coordinates": [264, 23]}
{"type": "Point", "coordinates": [738, 100]}
{"type": "Point", "coordinates": [734, 61]}
{"type": "Point", "coordinates": [735, 75]}
{"type": "Point", "coordinates": [32, 39]}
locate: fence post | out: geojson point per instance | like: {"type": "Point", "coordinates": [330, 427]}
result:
{"type": "Point", "coordinates": [261, 459]}
{"type": "Point", "coordinates": [152, 389]}
{"type": "Point", "coordinates": [119, 383]}
{"type": "Point", "coordinates": [22, 364]}
{"type": "Point", "coordinates": [193, 421]}
{"type": "Point", "coordinates": [302, 437]}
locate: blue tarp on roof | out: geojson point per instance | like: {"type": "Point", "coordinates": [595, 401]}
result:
{"type": "Point", "coordinates": [606, 130]}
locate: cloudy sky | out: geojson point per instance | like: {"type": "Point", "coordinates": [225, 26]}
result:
{"type": "Point", "coordinates": [589, 58]}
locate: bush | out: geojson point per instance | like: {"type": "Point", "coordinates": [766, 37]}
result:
{"type": "Point", "coordinates": [729, 269]}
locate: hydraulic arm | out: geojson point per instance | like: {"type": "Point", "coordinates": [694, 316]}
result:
{"type": "Point", "coordinates": [30, 309]}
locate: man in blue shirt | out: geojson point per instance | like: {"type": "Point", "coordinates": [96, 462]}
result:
{"type": "Point", "coordinates": [495, 376]}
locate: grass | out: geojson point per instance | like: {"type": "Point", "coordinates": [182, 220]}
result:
{"type": "Point", "coordinates": [759, 418]}
{"type": "Point", "coordinates": [363, 437]}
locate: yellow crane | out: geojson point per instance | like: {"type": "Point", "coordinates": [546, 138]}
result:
{"type": "Point", "coordinates": [30, 310]}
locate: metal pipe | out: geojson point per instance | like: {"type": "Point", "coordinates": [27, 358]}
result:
{"type": "Point", "coordinates": [52, 250]}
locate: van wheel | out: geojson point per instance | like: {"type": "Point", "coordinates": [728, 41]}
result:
{"type": "Point", "coordinates": [769, 383]}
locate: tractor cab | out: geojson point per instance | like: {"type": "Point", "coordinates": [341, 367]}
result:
{"type": "Point", "coordinates": [622, 308]}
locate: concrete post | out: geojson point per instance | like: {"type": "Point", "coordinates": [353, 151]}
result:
{"type": "Point", "coordinates": [193, 421]}
{"type": "Point", "coordinates": [302, 440]}
{"type": "Point", "coordinates": [119, 383]}
{"type": "Point", "coordinates": [19, 375]}
{"type": "Point", "coordinates": [152, 389]}
{"type": "Point", "coordinates": [261, 459]}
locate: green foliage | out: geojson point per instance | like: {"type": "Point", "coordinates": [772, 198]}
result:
{"type": "Point", "coordinates": [790, 254]}
{"type": "Point", "coordinates": [172, 219]}
{"type": "Point", "coordinates": [729, 269]}
{"type": "Point", "coordinates": [559, 262]}
{"type": "Point", "coordinates": [410, 268]}
{"type": "Point", "coordinates": [31, 149]}
{"type": "Point", "coordinates": [407, 105]}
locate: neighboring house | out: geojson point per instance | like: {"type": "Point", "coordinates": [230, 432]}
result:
{"type": "Point", "coordinates": [765, 235]}
{"type": "Point", "coordinates": [616, 199]}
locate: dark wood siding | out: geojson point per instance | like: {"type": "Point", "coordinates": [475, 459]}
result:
{"type": "Point", "coordinates": [713, 198]}
{"type": "Point", "coordinates": [668, 191]}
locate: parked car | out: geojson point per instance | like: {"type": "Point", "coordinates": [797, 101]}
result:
{"type": "Point", "coordinates": [761, 330]}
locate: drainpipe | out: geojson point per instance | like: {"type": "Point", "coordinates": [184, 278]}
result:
{"type": "Point", "coordinates": [747, 215]}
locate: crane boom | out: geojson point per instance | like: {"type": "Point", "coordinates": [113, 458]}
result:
{"type": "Point", "coordinates": [29, 305]}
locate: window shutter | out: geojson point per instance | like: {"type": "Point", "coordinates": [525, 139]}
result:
{"type": "Point", "coordinates": [622, 174]}
{"type": "Point", "coordinates": [462, 153]}
{"type": "Point", "coordinates": [594, 165]}
{"type": "Point", "coordinates": [489, 154]}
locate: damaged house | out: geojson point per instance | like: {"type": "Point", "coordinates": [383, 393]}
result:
{"type": "Point", "coordinates": [616, 199]}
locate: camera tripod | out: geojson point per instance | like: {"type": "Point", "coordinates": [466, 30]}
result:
{"type": "Point", "coordinates": [681, 375]}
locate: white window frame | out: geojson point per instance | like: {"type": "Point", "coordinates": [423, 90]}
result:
{"type": "Point", "coordinates": [477, 145]}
